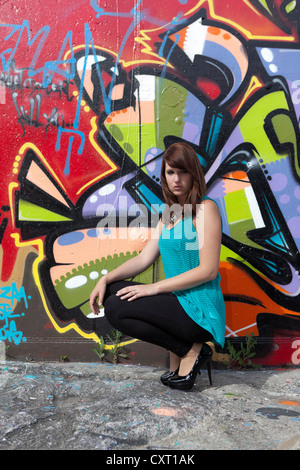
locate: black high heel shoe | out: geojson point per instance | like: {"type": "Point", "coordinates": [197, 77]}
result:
{"type": "Point", "coordinates": [186, 382]}
{"type": "Point", "coordinates": [167, 376]}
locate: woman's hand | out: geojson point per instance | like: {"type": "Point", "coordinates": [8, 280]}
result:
{"type": "Point", "coordinates": [136, 291]}
{"type": "Point", "coordinates": [97, 293]}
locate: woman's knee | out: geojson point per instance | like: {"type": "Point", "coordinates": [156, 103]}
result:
{"type": "Point", "coordinates": [113, 310]}
{"type": "Point", "coordinates": [109, 304]}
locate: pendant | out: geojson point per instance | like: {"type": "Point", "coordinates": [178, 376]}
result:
{"type": "Point", "coordinates": [173, 218]}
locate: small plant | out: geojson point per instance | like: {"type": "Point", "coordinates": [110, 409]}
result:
{"type": "Point", "coordinates": [64, 358]}
{"type": "Point", "coordinates": [117, 350]}
{"type": "Point", "coordinates": [242, 358]}
{"type": "Point", "coordinates": [100, 349]}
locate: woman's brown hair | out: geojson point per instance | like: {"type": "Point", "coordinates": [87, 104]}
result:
{"type": "Point", "coordinates": [181, 155]}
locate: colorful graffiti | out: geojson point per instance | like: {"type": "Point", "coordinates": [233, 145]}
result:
{"type": "Point", "coordinates": [92, 94]}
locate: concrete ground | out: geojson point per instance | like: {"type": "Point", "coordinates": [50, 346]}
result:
{"type": "Point", "coordinates": [95, 406]}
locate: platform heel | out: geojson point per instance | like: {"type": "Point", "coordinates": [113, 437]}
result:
{"type": "Point", "coordinates": [186, 382]}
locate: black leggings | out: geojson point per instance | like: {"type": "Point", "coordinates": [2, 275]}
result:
{"type": "Point", "coordinates": [158, 319]}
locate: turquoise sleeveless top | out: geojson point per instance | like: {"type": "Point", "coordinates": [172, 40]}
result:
{"type": "Point", "coordinates": [204, 303]}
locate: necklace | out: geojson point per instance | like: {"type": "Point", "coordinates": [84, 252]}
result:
{"type": "Point", "coordinates": [173, 218]}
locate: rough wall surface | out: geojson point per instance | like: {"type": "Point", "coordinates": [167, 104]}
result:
{"type": "Point", "coordinates": [91, 93]}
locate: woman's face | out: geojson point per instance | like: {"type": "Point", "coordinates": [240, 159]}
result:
{"type": "Point", "coordinates": [179, 182]}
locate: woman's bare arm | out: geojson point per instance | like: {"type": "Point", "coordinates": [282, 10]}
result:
{"type": "Point", "coordinates": [209, 230]}
{"type": "Point", "coordinates": [129, 269]}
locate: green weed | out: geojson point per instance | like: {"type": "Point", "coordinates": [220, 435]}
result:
{"type": "Point", "coordinates": [242, 358]}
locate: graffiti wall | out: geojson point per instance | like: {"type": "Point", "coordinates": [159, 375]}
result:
{"type": "Point", "coordinates": [91, 94]}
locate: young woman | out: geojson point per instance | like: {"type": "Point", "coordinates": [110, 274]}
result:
{"type": "Point", "coordinates": [186, 309]}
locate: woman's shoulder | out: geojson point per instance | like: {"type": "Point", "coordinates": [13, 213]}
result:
{"type": "Point", "coordinates": [208, 201]}
{"type": "Point", "coordinates": [209, 205]}
{"type": "Point", "coordinates": [204, 200]}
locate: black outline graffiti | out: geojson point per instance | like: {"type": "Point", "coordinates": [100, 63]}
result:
{"type": "Point", "coordinates": [273, 262]}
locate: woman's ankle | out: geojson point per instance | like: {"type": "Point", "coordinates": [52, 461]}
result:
{"type": "Point", "coordinates": [187, 361]}
{"type": "Point", "coordinates": [174, 361]}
